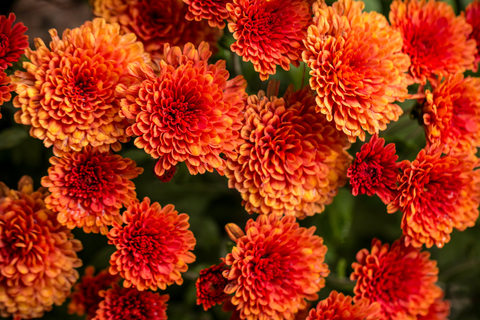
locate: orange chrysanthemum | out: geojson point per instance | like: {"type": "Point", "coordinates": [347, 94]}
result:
{"type": "Point", "coordinates": [439, 310]}
{"type": "Point", "coordinates": [13, 42]}
{"type": "Point", "coordinates": [292, 160]}
{"type": "Point", "coordinates": [5, 89]}
{"type": "Point", "coordinates": [339, 307]}
{"type": "Point", "coordinates": [86, 295]}
{"type": "Point", "coordinates": [451, 113]}
{"type": "Point", "coordinates": [357, 67]}
{"type": "Point", "coordinates": [156, 23]}
{"type": "Point", "coordinates": [153, 248]}
{"type": "Point", "coordinates": [67, 94]}
{"type": "Point", "coordinates": [210, 286]}
{"type": "Point", "coordinates": [274, 268]}
{"type": "Point", "coordinates": [189, 113]}
{"type": "Point", "coordinates": [38, 256]}
{"type": "Point", "coordinates": [269, 33]}
{"type": "Point", "coordinates": [130, 304]}
{"type": "Point", "coordinates": [214, 11]}
{"type": "Point", "coordinates": [472, 15]}
{"type": "Point", "coordinates": [374, 170]}
{"type": "Point", "coordinates": [401, 279]}
{"type": "Point", "coordinates": [435, 39]}
{"type": "Point", "coordinates": [437, 194]}
{"type": "Point", "coordinates": [89, 188]}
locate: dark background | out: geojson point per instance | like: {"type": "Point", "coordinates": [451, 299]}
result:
{"type": "Point", "coordinates": [347, 225]}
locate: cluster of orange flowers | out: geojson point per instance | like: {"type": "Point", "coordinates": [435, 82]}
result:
{"type": "Point", "coordinates": [142, 70]}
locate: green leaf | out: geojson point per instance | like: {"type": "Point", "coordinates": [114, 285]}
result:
{"type": "Point", "coordinates": [340, 214]}
{"type": "Point", "coordinates": [12, 137]}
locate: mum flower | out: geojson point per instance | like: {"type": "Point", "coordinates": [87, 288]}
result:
{"type": "Point", "coordinates": [472, 15]}
{"type": "Point", "coordinates": [67, 94]}
{"type": "Point", "coordinates": [339, 307]}
{"type": "Point", "coordinates": [437, 194]}
{"type": "Point", "coordinates": [38, 256]}
{"type": "Point", "coordinates": [86, 295]}
{"type": "Point", "coordinates": [13, 41]}
{"type": "Point", "coordinates": [269, 33]}
{"type": "Point", "coordinates": [439, 310]}
{"type": "Point", "coordinates": [374, 170]}
{"type": "Point", "coordinates": [292, 160]}
{"type": "Point", "coordinates": [210, 286]}
{"type": "Point", "coordinates": [433, 37]}
{"type": "Point", "coordinates": [274, 268]}
{"type": "Point", "coordinates": [156, 23]}
{"type": "Point", "coordinates": [131, 304]}
{"type": "Point", "coordinates": [189, 113]}
{"type": "Point", "coordinates": [214, 11]}
{"type": "Point", "coordinates": [153, 247]}
{"type": "Point", "coordinates": [357, 67]}
{"type": "Point", "coordinates": [451, 113]}
{"type": "Point", "coordinates": [88, 188]}
{"type": "Point", "coordinates": [401, 279]}
{"type": "Point", "coordinates": [5, 88]}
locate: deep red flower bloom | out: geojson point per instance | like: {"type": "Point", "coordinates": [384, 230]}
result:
{"type": "Point", "coordinates": [437, 194]}
{"type": "Point", "coordinates": [339, 307]}
{"type": "Point", "coordinates": [130, 304]}
{"type": "Point", "coordinates": [434, 37]}
{"type": "Point", "coordinates": [154, 246]}
{"type": "Point", "coordinates": [210, 286]}
{"type": "Point", "coordinates": [374, 170]}
{"type": "Point", "coordinates": [439, 310]}
{"type": "Point", "coordinates": [214, 11]}
{"type": "Point", "coordinates": [401, 279]}
{"type": "Point", "coordinates": [13, 42]}
{"type": "Point", "coordinates": [190, 113]}
{"type": "Point", "coordinates": [451, 113]}
{"type": "Point", "coordinates": [472, 15]}
{"type": "Point", "coordinates": [5, 89]}
{"type": "Point", "coordinates": [274, 268]}
{"type": "Point", "coordinates": [292, 160]}
{"type": "Point", "coordinates": [157, 22]}
{"type": "Point", "coordinates": [38, 256]}
{"type": "Point", "coordinates": [269, 33]}
{"type": "Point", "coordinates": [86, 295]}
{"type": "Point", "coordinates": [88, 188]}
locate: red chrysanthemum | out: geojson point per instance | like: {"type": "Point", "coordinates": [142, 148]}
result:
{"type": "Point", "coordinates": [13, 42]}
{"type": "Point", "coordinates": [269, 33]}
{"type": "Point", "coordinates": [214, 11]}
{"type": "Point", "coordinates": [5, 89]}
{"type": "Point", "coordinates": [401, 279]}
{"type": "Point", "coordinates": [274, 268]}
{"type": "Point", "coordinates": [130, 304]}
{"type": "Point", "coordinates": [339, 307]}
{"type": "Point", "coordinates": [38, 256]}
{"type": "Point", "coordinates": [451, 113]}
{"type": "Point", "coordinates": [156, 23]}
{"type": "Point", "coordinates": [292, 160]}
{"type": "Point", "coordinates": [210, 286]}
{"type": "Point", "coordinates": [437, 194]}
{"type": "Point", "coordinates": [374, 170]}
{"type": "Point", "coordinates": [472, 15]}
{"type": "Point", "coordinates": [67, 94]}
{"type": "Point", "coordinates": [86, 295]}
{"type": "Point", "coordinates": [358, 69]}
{"type": "Point", "coordinates": [153, 247]}
{"type": "Point", "coordinates": [439, 310]}
{"type": "Point", "coordinates": [434, 37]}
{"type": "Point", "coordinates": [189, 113]}
{"type": "Point", "coordinates": [88, 188]}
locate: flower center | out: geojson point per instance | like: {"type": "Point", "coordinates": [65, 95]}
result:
{"type": "Point", "coordinates": [368, 174]}
{"type": "Point", "coordinates": [4, 45]}
{"type": "Point", "coordinates": [267, 269]}
{"type": "Point", "coordinates": [142, 245]}
{"type": "Point", "coordinates": [79, 92]}
{"type": "Point", "coordinates": [85, 182]}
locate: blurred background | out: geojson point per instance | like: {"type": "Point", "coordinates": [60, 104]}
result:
{"type": "Point", "coordinates": [347, 225]}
